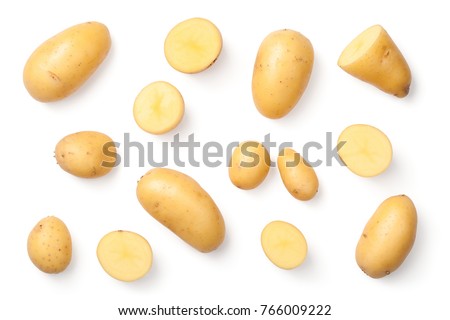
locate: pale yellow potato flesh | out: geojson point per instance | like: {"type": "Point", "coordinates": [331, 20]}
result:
{"type": "Point", "coordinates": [366, 151]}
{"type": "Point", "coordinates": [193, 45]}
{"type": "Point", "coordinates": [373, 57]}
{"type": "Point", "coordinates": [49, 245]}
{"type": "Point", "coordinates": [158, 108]}
{"type": "Point", "coordinates": [250, 164]}
{"type": "Point", "coordinates": [284, 244]}
{"type": "Point", "coordinates": [125, 255]}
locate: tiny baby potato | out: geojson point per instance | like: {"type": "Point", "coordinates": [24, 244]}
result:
{"type": "Point", "coordinates": [158, 108]}
{"type": "Point", "coordinates": [388, 237]}
{"type": "Point", "coordinates": [125, 255]}
{"type": "Point", "coordinates": [193, 45]}
{"type": "Point", "coordinates": [250, 164]}
{"type": "Point", "coordinates": [373, 57]}
{"type": "Point", "coordinates": [281, 72]}
{"type": "Point", "coordinates": [86, 154]}
{"type": "Point", "coordinates": [284, 245]}
{"type": "Point", "coordinates": [298, 176]}
{"type": "Point", "coordinates": [178, 202]}
{"type": "Point", "coordinates": [60, 65]}
{"type": "Point", "coordinates": [365, 150]}
{"type": "Point", "coordinates": [50, 245]}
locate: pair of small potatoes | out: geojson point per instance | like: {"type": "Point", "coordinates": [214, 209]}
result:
{"type": "Point", "coordinates": [250, 164]}
{"type": "Point", "coordinates": [124, 255]}
{"type": "Point", "coordinates": [285, 59]}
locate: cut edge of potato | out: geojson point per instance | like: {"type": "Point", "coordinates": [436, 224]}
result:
{"type": "Point", "coordinates": [284, 244]}
{"type": "Point", "coordinates": [125, 255]}
{"type": "Point", "coordinates": [360, 45]}
{"type": "Point", "coordinates": [366, 154]}
{"type": "Point", "coordinates": [193, 45]}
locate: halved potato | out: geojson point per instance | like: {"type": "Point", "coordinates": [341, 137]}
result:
{"type": "Point", "coordinates": [373, 57]}
{"type": "Point", "coordinates": [284, 244]}
{"type": "Point", "coordinates": [366, 150]}
{"type": "Point", "coordinates": [125, 255]}
{"type": "Point", "coordinates": [158, 108]}
{"type": "Point", "coordinates": [193, 45]}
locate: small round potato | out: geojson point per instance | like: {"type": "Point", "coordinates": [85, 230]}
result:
{"type": "Point", "coordinates": [50, 245]}
{"type": "Point", "coordinates": [366, 151]}
{"type": "Point", "coordinates": [193, 45]}
{"type": "Point", "coordinates": [125, 255]}
{"type": "Point", "coordinates": [284, 244]}
{"type": "Point", "coordinates": [60, 65]}
{"type": "Point", "coordinates": [298, 176]}
{"type": "Point", "coordinates": [86, 154]}
{"type": "Point", "coordinates": [250, 164]}
{"type": "Point", "coordinates": [158, 108]}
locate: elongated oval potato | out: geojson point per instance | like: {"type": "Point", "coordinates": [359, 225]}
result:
{"type": "Point", "coordinates": [284, 244]}
{"type": "Point", "coordinates": [50, 245]}
{"type": "Point", "coordinates": [388, 237]}
{"type": "Point", "coordinates": [178, 202]}
{"type": "Point", "coordinates": [193, 45]}
{"type": "Point", "coordinates": [250, 164]}
{"type": "Point", "coordinates": [298, 176]}
{"type": "Point", "coordinates": [86, 154]}
{"type": "Point", "coordinates": [60, 65]}
{"type": "Point", "coordinates": [373, 57]}
{"type": "Point", "coordinates": [281, 73]}
{"type": "Point", "coordinates": [158, 108]}
{"type": "Point", "coordinates": [125, 255]}
{"type": "Point", "coordinates": [365, 150]}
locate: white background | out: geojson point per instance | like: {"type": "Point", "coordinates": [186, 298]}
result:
{"type": "Point", "coordinates": [219, 107]}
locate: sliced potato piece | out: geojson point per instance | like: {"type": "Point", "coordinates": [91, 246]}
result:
{"type": "Point", "coordinates": [125, 255]}
{"type": "Point", "coordinates": [193, 45]}
{"type": "Point", "coordinates": [366, 150]}
{"type": "Point", "coordinates": [158, 108]}
{"type": "Point", "coordinates": [373, 57]}
{"type": "Point", "coordinates": [284, 244]}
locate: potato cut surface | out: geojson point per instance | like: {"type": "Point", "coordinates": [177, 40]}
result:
{"type": "Point", "coordinates": [125, 255]}
{"type": "Point", "coordinates": [193, 45]}
{"type": "Point", "coordinates": [284, 244]}
{"type": "Point", "coordinates": [360, 45]}
{"type": "Point", "coordinates": [367, 151]}
{"type": "Point", "coordinates": [158, 108]}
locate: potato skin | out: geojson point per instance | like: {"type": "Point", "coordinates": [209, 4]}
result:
{"type": "Point", "coordinates": [250, 164]}
{"type": "Point", "coordinates": [49, 245]}
{"type": "Point", "coordinates": [83, 153]}
{"type": "Point", "coordinates": [60, 65]}
{"type": "Point", "coordinates": [178, 202]}
{"type": "Point", "coordinates": [388, 237]}
{"type": "Point", "coordinates": [281, 72]}
{"type": "Point", "coordinates": [300, 179]}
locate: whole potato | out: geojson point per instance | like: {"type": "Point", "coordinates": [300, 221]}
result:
{"type": "Point", "coordinates": [373, 57]}
{"type": "Point", "coordinates": [388, 237]}
{"type": "Point", "coordinates": [86, 154]}
{"type": "Point", "coordinates": [50, 245]}
{"type": "Point", "coordinates": [298, 176]}
{"type": "Point", "coordinates": [60, 65]}
{"type": "Point", "coordinates": [250, 164]}
{"type": "Point", "coordinates": [182, 205]}
{"type": "Point", "coordinates": [281, 73]}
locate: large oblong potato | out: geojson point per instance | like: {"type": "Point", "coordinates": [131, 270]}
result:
{"type": "Point", "coordinates": [388, 237]}
{"type": "Point", "coordinates": [178, 202]}
{"type": "Point", "coordinates": [60, 65]}
{"type": "Point", "coordinates": [281, 72]}
{"type": "Point", "coordinates": [49, 245]}
{"type": "Point", "coordinates": [250, 164]}
{"type": "Point", "coordinates": [298, 176]}
{"type": "Point", "coordinates": [86, 154]}
{"type": "Point", "coordinates": [373, 57]}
